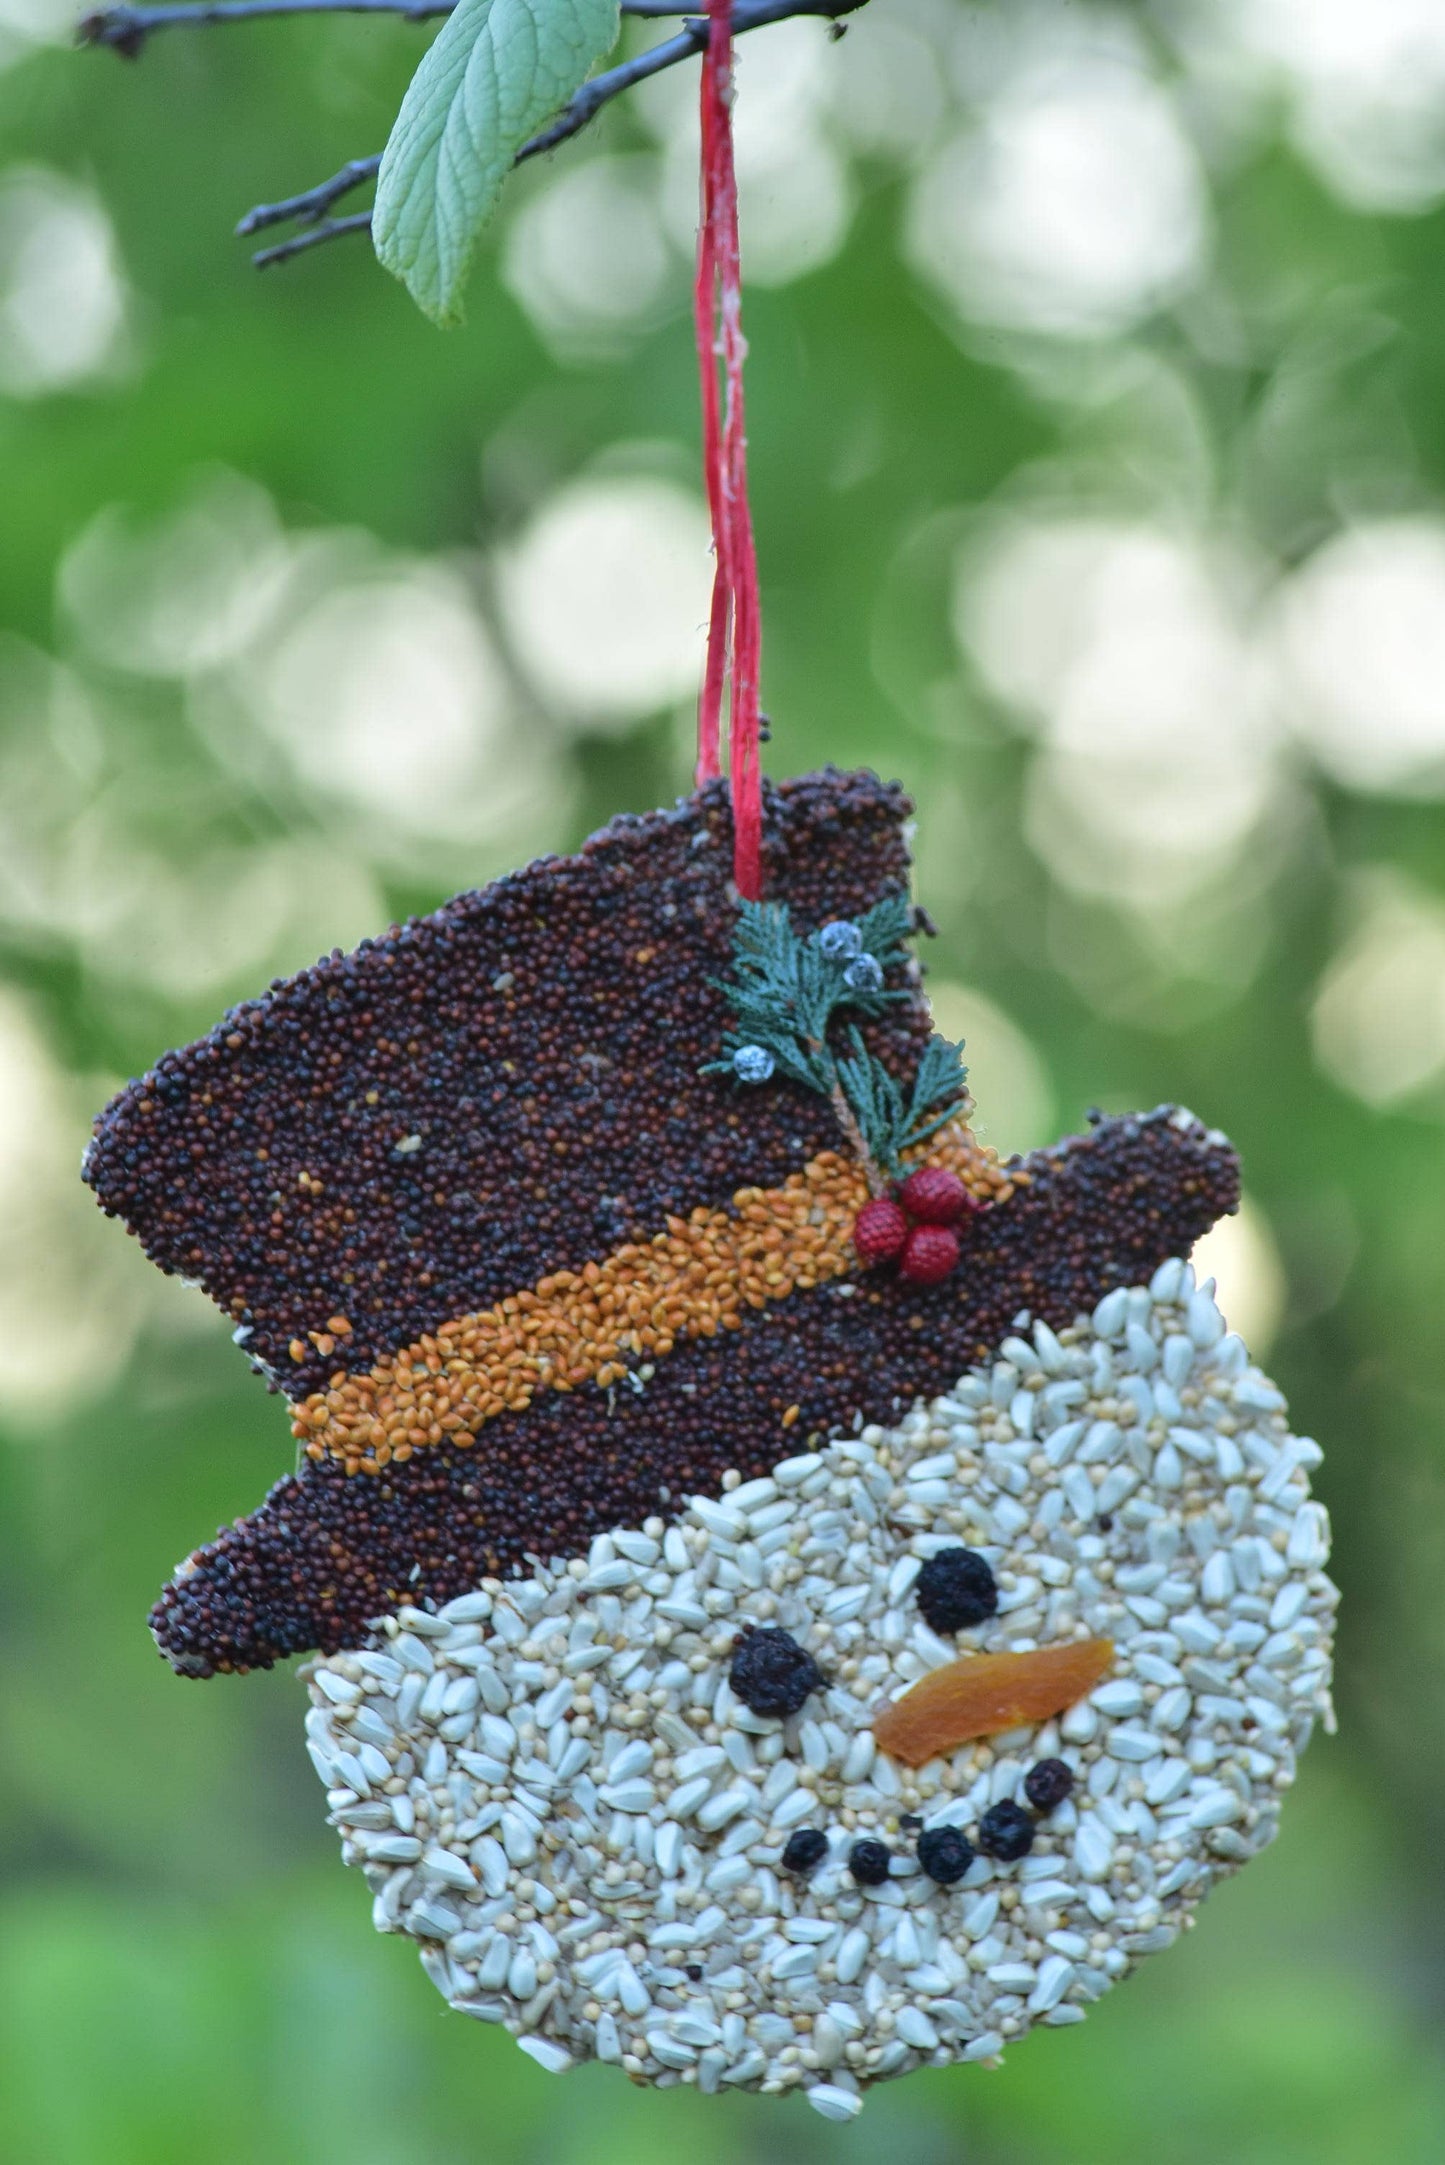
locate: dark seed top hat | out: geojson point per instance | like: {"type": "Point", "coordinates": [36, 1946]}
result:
{"type": "Point", "coordinates": [548, 1209]}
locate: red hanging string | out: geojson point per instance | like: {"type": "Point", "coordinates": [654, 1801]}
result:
{"type": "Point", "coordinates": [734, 631]}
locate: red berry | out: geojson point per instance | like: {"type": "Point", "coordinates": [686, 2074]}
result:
{"type": "Point", "coordinates": [929, 1254]}
{"type": "Point", "coordinates": [933, 1195]}
{"type": "Point", "coordinates": [879, 1231]}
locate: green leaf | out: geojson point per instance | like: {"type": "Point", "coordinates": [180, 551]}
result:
{"type": "Point", "coordinates": [497, 71]}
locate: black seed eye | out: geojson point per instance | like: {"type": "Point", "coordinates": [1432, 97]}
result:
{"type": "Point", "coordinates": [1006, 1831]}
{"type": "Point", "coordinates": [945, 1854]}
{"type": "Point", "coordinates": [869, 1862]}
{"type": "Point", "coordinates": [805, 1851]}
{"type": "Point", "coordinates": [771, 1673]}
{"type": "Point", "coordinates": [956, 1589]}
{"type": "Point", "coordinates": [694, 1971]}
{"type": "Point", "coordinates": [1047, 1783]}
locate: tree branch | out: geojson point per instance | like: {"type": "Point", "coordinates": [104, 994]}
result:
{"type": "Point", "coordinates": [590, 99]}
{"type": "Point", "coordinates": [311, 205]}
{"type": "Point", "coordinates": [330, 229]}
{"type": "Point", "coordinates": [125, 29]}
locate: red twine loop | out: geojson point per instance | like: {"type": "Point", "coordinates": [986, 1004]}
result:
{"type": "Point", "coordinates": [734, 632]}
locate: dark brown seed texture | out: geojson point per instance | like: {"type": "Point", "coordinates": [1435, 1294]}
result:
{"type": "Point", "coordinates": [542, 1040]}
{"type": "Point", "coordinates": [415, 1130]}
{"type": "Point", "coordinates": [327, 1550]}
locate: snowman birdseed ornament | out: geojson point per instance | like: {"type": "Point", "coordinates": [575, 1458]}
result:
{"type": "Point", "coordinates": [789, 1598]}
{"type": "Point", "coordinates": [793, 1598]}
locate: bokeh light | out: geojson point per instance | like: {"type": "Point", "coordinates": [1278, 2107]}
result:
{"type": "Point", "coordinates": [181, 592]}
{"type": "Point", "coordinates": [1366, 91]}
{"type": "Point", "coordinates": [70, 1303]}
{"type": "Point", "coordinates": [795, 193]}
{"type": "Point", "coordinates": [1360, 647]}
{"type": "Point", "coordinates": [385, 691]}
{"type": "Point", "coordinates": [1379, 1014]}
{"type": "Point", "coordinates": [1006, 1073]}
{"type": "Point", "coordinates": [1122, 647]}
{"type": "Point", "coordinates": [887, 93]}
{"type": "Point", "coordinates": [606, 595]}
{"type": "Point", "coordinates": [1075, 205]}
{"type": "Point", "coordinates": [62, 291]}
{"type": "Point", "coordinates": [25, 24]}
{"type": "Point", "coordinates": [587, 257]}
{"type": "Point", "coordinates": [1241, 1255]}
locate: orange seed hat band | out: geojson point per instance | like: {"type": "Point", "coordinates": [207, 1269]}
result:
{"type": "Point", "coordinates": [576, 1327]}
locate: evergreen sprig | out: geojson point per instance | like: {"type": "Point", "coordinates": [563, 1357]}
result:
{"type": "Point", "coordinates": [890, 1123]}
{"type": "Point", "coordinates": [786, 992]}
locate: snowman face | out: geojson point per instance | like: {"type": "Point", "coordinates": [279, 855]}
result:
{"type": "Point", "coordinates": [536, 1244]}
{"type": "Point", "coordinates": [553, 1786]}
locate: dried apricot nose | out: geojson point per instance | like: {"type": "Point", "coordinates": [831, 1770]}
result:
{"type": "Point", "coordinates": [980, 1694]}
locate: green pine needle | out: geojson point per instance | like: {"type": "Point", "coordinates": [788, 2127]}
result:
{"type": "Point", "coordinates": [890, 1124]}
{"type": "Point", "coordinates": [786, 993]}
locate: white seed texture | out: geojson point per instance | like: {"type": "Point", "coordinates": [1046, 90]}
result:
{"type": "Point", "coordinates": [550, 1785]}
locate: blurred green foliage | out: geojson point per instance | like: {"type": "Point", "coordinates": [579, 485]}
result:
{"type": "Point", "coordinates": [184, 1971]}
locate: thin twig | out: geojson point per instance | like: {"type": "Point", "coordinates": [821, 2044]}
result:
{"type": "Point", "coordinates": [125, 29]}
{"type": "Point", "coordinates": [331, 229]}
{"type": "Point", "coordinates": [847, 1120]}
{"type": "Point", "coordinates": [311, 205]}
{"type": "Point", "coordinates": [590, 99]}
